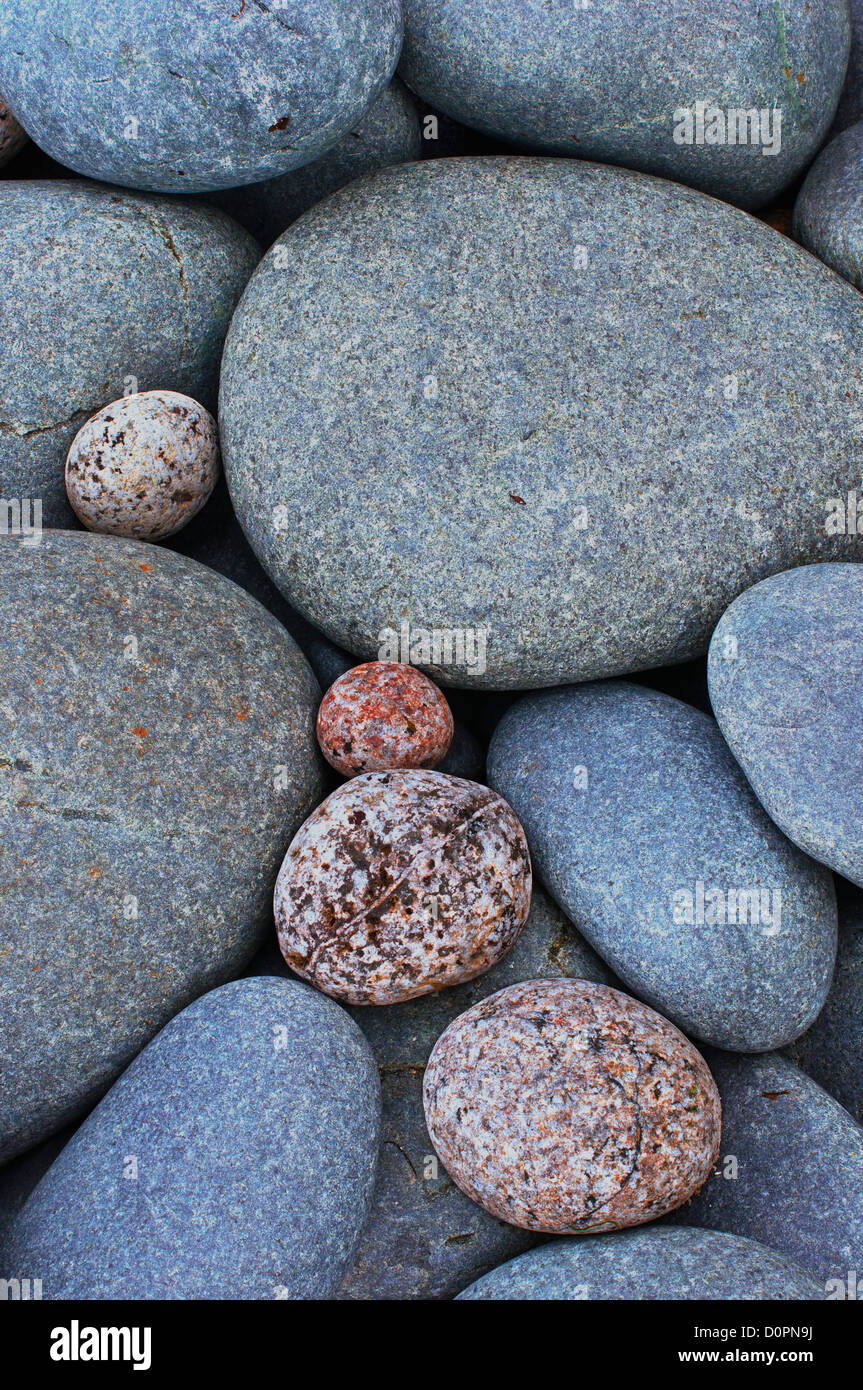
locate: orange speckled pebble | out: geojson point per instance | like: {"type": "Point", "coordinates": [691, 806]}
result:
{"type": "Point", "coordinates": [383, 714]}
{"type": "Point", "coordinates": [568, 1107]}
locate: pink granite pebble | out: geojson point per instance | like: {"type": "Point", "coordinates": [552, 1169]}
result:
{"type": "Point", "coordinates": [383, 714]}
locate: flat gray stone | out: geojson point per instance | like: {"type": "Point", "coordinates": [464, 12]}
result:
{"type": "Point", "coordinates": [656, 1263]}
{"type": "Point", "coordinates": [157, 756]}
{"type": "Point", "coordinates": [234, 1159]}
{"type": "Point", "coordinates": [785, 672]}
{"type": "Point", "coordinates": [643, 828]}
{"type": "Point", "coordinates": [554, 416]}
{"type": "Point", "coordinates": [104, 293]}
{"type": "Point", "coordinates": [604, 80]}
{"type": "Point", "coordinates": [828, 214]}
{"type": "Point", "coordinates": [185, 95]}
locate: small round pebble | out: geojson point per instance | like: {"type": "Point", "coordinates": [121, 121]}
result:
{"type": "Point", "coordinates": [12, 137]}
{"type": "Point", "coordinates": [402, 883]}
{"type": "Point", "coordinates": [567, 1107]}
{"type": "Point", "coordinates": [381, 715]}
{"type": "Point", "coordinates": [143, 466]}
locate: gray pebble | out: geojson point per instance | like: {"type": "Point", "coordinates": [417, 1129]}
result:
{"type": "Point", "coordinates": [828, 214]}
{"type": "Point", "coordinates": [851, 103]}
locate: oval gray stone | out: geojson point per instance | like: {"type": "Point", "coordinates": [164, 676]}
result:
{"type": "Point", "coordinates": [643, 828]}
{"type": "Point", "coordinates": [103, 293]}
{"type": "Point", "coordinates": [658, 1263]}
{"type": "Point", "coordinates": [785, 671]}
{"type": "Point", "coordinates": [157, 756]}
{"type": "Point", "coordinates": [185, 95]}
{"type": "Point", "coordinates": [828, 214]}
{"type": "Point", "coordinates": [611, 81]}
{"type": "Point", "coordinates": [234, 1159]}
{"type": "Point", "coordinates": [610, 402]}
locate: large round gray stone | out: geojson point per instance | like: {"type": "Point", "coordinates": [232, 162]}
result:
{"type": "Point", "coordinates": [643, 828]}
{"type": "Point", "coordinates": [828, 214]}
{"type": "Point", "coordinates": [157, 755]}
{"type": "Point", "coordinates": [234, 1159]}
{"type": "Point", "coordinates": [609, 80]}
{"type": "Point", "coordinates": [187, 95]}
{"type": "Point", "coordinates": [104, 293]}
{"type": "Point", "coordinates": [546, 419]}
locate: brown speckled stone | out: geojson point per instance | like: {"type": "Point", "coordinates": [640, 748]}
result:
{"type": "Point", "coordinates": [12, 137]}
{"type": "Point", "coordinates": [402, 883]}
{"type": "Point", "coordinates": [383, 714]}
{"type": "Point", "coordinates": [565, 1106]}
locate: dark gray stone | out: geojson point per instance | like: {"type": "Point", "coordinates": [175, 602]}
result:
{"type": "Point", "coordinates": [828, 214]}
{"type": "Point", "coordinates": [18, 1179]}
{"type": "Point", "coordinates": [851, 102]}
{"type": "Point", "coordinates": [103, 293]}
{"type": "Point", "coordinates": [644, 829]}
{"type": "Point", "coordinates": [465, 757]}
{"type": "Point", "coordinates": [185, 95]}
{"type": "Point", "coordinates": [785, 672]}
{"type": "Point", "coordinates": [235, 1158]}
{"type": "Point", "coordinates": [604, 80]}
{"type": "Point", "coordinates": [654, 1263]}
{"type": "Point", "coordinates": [578, 465]}
{"type": "Point", "coordinates": [148, 705]}
{"type": "Point", "coordinates": [790, 1172]}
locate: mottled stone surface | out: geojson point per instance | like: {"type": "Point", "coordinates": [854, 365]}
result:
{"type": "Point", "coordinates": [785, 673]}
{"type": "Point", "coordinates": [235, 1159]}
{"type": "Point", "coordinates": [402, 883]}
{"type": "Point", "coordinates": [425, 1239]}
{"type": "Point", "coordinates": [147, 708]}
{"type": "Point", "coordinates": [388, 133]}
{"type": "Point", "coordinates": [851, 102]}
{"type": "Point", "coordinates": [12, 137]}
{"type": "Point", "coordinates": [187, 95]}
{"type": "Point", "coordinates": [828, 214]}
{"type": "Point", "coordinates": [606, 81]}
{"type": "Point", "coordinates": [103, 292]}
{"type": "Point", "coordinates": [790, 1170]}
{"type": "Point", "coordinates": [644, 829]}
{"type": "Point", "coordinates": [567, 1107]}
{"type": "Point", "coordinates": [656, 1264]}
{"type": "Point", "coordinates": [553, 416]}
{"type": "Point", "coordinates": [381, 715]}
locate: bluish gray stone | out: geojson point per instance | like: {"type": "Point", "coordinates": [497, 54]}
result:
{"type": "Point", "coordinates": [425, 1239]}
{"type": "Point", "coordinates": [606, 81]}
{"type": "Point", "coordinates": [644, 829]}
{"type": "Point", "coordinates": [188, 95]}
{"type": "Point", "coordinates": [553, 416]}
{"type": "Point", "coordinates": [785, 671]}
{"type": "Point", "coordinates": [654, 1263]}
{"type": "Point", "coordinates": [790, 1173]}
{"type": "Point", "coordinates": [387, 133]}
{"type": "Point", "coordinates": [18, 1179]}
{"type": "Point", "coordinates": [235, 1159]}
{"type": "Point", "coordinates": [103, 293]}
{"type": "Point", "coordinates": [851, 102]}
{"type": "Point", "coordinates": [158, 754]}
{"type": "Point", "coordinates": [828, 214]}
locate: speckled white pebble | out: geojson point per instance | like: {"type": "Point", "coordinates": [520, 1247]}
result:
{"type": "Point", "coordinates": [143, 466]}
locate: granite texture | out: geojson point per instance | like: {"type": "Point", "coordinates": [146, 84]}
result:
{"type": "Point", "coordinates": [785, 670]}
{"type": "Point", "coordinates": [382, 715]}
{"type": "Point", "coordinates": [790, 1171]}
{"type": "Point", "coordinates": [235, 1158]}
{"type": "Point", "coordinates": [148, 705]}
{"type": "Point", "coordinates": [644, 829]}
{"type": "Point", "coordinates": [851, 102]}
{"type": "Point", "coordinates": [188, 95]}
{"type": "Point", "coordinates": [604, 81]}
{"type": "Point", "coordinates": [828, 213]}
{"type": "Point", "coordinates": [654, 1264]}
{"type": "Point", "coordinates": [105, 293]}
{"type": "Point", "coordinates": [552, 415]}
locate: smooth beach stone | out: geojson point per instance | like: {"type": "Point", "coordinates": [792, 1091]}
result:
{"type": "Point", "coordinates": [185, 95]}
{"type": "Point", "coordinates": [158, 753]}
{"type": "Point", "coordinates": [612, 81]}
{"type": "Point", "coordinates": [104, 294]}
{"type": "Point", "coordinates": [546, 418]}
{"type": "Point", "coordinates": [643, 828]}
{"type": "Point", "coordinates": [382, 715]}
{"type": "Point", "coordinates": [828, 214]}
{"type": "Point", "coordinates": [465, 757]}
{"type": "Point", "coordinates": [388, 133]}
{"type": "Point", "coordinates": [851, 102]}
{"type": "Point", "coordinates": [235, 1158]}
{"type": "Point", "coordinates": [790, 1169]}
{"type": "Point", "coordinates": [12, 137]}
{"type": "Point", "coordinates": [425, 1239]}
{"type": "Point", "coordinates": [654, 1264]}
{"type": "Point", "coordinates": [785, 672]}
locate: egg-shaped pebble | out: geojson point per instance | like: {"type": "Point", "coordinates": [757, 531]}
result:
{"type": "Point", "coordinates": [12, 137]}
{"type": "Point", "coordinates": [402, 883]}
{"type": "Point", "coordinates": [565, 1107]}
{"type": "Point", "coordinates": [143, 466]}
{"type": "Point", "coordinates": [383, 714]}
